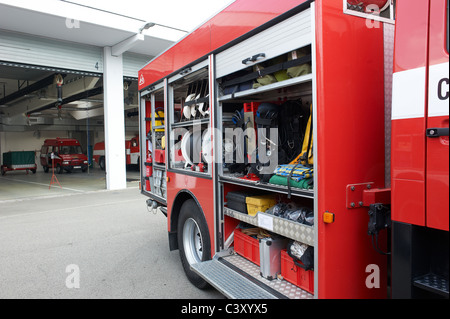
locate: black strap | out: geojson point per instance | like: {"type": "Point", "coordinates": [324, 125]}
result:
{"type": "Point", "coordinates": [263, 121]}
{"type": "Point", "coordinates": [289, 179]}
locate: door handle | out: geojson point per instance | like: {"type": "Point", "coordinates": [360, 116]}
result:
{"type": "Point", "coordinates": [436, 132]}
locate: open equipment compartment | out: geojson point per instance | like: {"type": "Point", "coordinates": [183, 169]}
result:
{"type": "Point", "coordinates": [189, 121]}
{"type": "Point", "coordinates": [153, 144]}
{"type": "Point", "coordinates": [265, 110]}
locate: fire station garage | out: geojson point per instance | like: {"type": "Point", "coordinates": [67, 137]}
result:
{"type": "Point", "coordinates": [295, 149]}
{"type": "Point", "coordinates": [60, 80]}
{"type": "Point", "coordinates": [69, 154]}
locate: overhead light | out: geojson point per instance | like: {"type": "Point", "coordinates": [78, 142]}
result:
{"type": "Point", "coordinates": [147, 26]}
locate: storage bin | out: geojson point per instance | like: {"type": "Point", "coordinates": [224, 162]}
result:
{"type": "Point", "coordinates": [246, 246]}
{"type": "Point", "coordinates": [257, 204]}
{"type": "Point", "coordinates": [296, 275]}
{"type": "Point", "coordinates": [236, 201]}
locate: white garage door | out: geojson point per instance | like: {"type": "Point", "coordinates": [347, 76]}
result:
{"type": "Point", "coordinates": [38, 51]}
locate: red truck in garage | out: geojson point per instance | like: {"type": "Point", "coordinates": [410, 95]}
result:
{"type": "Point", "coordinates": [131, 149]}
{"type": "Point", "coordinates": [67, 155]}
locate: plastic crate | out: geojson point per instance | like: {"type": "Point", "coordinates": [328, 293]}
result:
{"type": "Point", "coordinates": [246, 246]}
{"type": "Point", "coordinates": [296, 275]}
{"type": "Point", "coordinates": [257, 204]}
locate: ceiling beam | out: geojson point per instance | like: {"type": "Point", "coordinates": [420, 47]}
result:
{"type": "Point", "coordinates": [29, 89]}
{"type": "Point", "coordinates": [70, 99]}
{"type": "Point", "coordinates": [126, 44]}
{"type": "Point", "coordinates": [71, 88]}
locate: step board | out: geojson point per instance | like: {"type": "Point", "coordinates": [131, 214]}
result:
{"type": "Point", "coordinates": [229, 282]}
{"type": "Point", "coordinates": [433, 283]}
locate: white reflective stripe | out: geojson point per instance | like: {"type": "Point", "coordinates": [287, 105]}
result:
{"type": "Point", "coordinates": [438, 90]}
{"type": "Point", "coordinates": [99, 152]}
{"type": "Point", "coordinates": [408, 94]}
{"type": "Point", "coordinates": [128, 151]}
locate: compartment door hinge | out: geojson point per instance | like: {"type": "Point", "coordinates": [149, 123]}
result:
{"type": "Point", "coordinates": [365, 194]}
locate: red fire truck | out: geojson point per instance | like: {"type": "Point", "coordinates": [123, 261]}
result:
{"type": "Point", "coordinates": [306, 149]}
{"type": "Point", "coordinates": [131, 149]}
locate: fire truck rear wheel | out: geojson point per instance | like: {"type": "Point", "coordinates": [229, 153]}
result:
{"type": "Point", "coordinates": [102, 163]}
{"type": "Point", "coordinates": [193, 240]}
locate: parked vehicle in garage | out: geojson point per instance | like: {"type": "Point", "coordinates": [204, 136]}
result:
{"type": "Point", "coordinates": [19, 161]}
{"type": "Point", "coordinates": [131, 148]}
{"type": "Point", "coordinates": [67, 155]}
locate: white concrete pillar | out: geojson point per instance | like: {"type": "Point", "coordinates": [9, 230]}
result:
{"type": "Point", "coordinates": [114, 120]}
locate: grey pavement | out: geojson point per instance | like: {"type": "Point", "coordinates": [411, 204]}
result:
{"type": "Point", "coordinates": [107, 241]}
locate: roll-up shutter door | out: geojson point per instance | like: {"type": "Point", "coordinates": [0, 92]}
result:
{"type": "Point", "coordinates": [290, 34]}
{"type": "Point", "coordinates": [38, 51]}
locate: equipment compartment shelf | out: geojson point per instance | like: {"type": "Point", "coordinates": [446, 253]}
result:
{"type": "Point", "coordinates": [306, 193]}
{"type": "Point", "coordinates": [280, 226]}
{"type": "Point", "coordinates": [286, 89]}
{"type": "Point", "coordinates": [159, 166]}
{"type": "Point", "coordinates": [190, 123]}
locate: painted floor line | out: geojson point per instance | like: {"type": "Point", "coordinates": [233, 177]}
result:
{"type": "Point", "coordinates": [42, 184]}
{"type": "Point", "coordinates": [71, 208]}
{"type": "Point", "coordinates": [6, 201]}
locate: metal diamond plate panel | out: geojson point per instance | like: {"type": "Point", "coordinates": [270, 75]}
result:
{"type": "Point", "coordinates": [282, 286]}
{"type": "Point", "coordinates": [281, 226]}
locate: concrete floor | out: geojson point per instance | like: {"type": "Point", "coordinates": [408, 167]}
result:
{"type": "Point", "coordinates": [16, 185]}
{"type": "Point", "coordinates": [107, 241]}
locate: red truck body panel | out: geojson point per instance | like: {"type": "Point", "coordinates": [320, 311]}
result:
{"type": "Point", "coordinates": [420, 164]}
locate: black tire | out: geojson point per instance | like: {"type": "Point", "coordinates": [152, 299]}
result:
{"type": "Point", "coordinates": [45, 169]}
{"type": "Point", "coordinates": [59, 169]}
{"type": "Point", "coordinates": [102, 163]}
{"type": "Point", "coordinates": [193, 240]}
